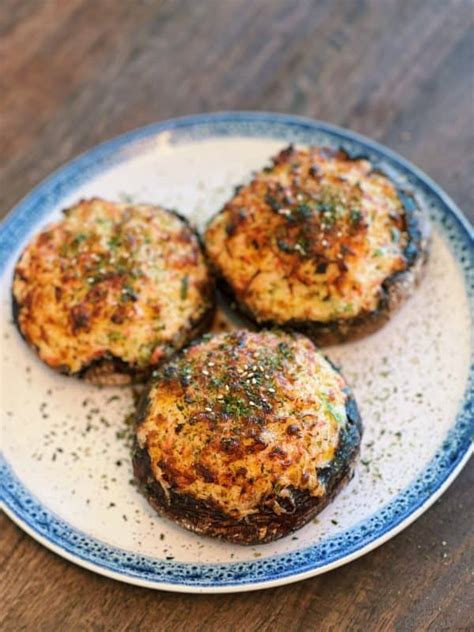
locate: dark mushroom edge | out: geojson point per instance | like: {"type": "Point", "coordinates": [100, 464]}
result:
{"type": "Point", "coordinates": [207, 518]}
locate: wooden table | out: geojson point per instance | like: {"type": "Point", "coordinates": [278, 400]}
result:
{"type": "Point", "coordinates": [75, 72]}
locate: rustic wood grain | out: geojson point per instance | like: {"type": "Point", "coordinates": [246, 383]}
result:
{"type": "Point", "coordinates": [75, 73]}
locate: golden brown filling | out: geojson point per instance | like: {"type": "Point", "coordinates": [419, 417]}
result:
{"type": "Point", "coordinates": [243, 417]}
{"type": "Point", "coordinates": [110, 278]}
{"type": "Point", "coordinates": [311, 238]}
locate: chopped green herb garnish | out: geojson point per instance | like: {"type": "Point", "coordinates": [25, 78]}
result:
{"type": "Point", "coordinates": [79, 239]}
{"type": "Point", "coordinates": [284, 246]}
{"type": "Point", "coordinates": [285, 350]}
{"type": "Point", "coordinates": [304, 211]}
{"type": "Point", "coordinates": [272, 202]}
{"type": "Point", "coordinates": [184, 288]}
{"type": "Point", "coordinates": [395, 234]}
{"type": "Point", "coordinates": [128, 294]}
{"type": "Point", "coordinates": [115, 336]}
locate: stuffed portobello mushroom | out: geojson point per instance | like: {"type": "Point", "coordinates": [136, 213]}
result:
{"type": "Point", "coordinates": [111, 290]}
{"type": "Point", "coordinates": [245, 436]}
{"type": "Point", "coordinates": [319, 242]}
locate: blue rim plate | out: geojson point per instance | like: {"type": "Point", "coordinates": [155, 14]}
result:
{"type": "Point", "coordinates": [79, 547]}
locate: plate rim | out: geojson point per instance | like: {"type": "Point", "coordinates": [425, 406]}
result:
{"type": "Point", "coordinates": [134, 136]}
{"type": "Point", "coordinates": [254, 116]}
{"type": "Point", "coordinates": [251, 586]}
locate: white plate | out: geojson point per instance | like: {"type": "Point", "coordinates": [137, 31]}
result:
{"type": "Point", "coordinates": [66, 468]}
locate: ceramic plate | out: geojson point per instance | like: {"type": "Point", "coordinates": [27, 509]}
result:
{"type": "Point", "coordinates": [66, 473]}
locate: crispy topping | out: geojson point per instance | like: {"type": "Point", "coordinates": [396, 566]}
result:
{"type": "Point", "coordinates": [311, 238]}
{"type": "Point", "coordinates": [238, 413]}
{"type": "Point", "coordinates": [111, 279]}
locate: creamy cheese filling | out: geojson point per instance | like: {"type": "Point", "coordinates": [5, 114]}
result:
{"type": "Point", "coordinates": [298, 247]}
{"type": "Point", "coordinates": [239, 444]}
{"type": "Point", "coordinates": [110, 278]}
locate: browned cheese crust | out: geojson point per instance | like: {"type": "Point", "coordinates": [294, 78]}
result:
{"type": "Point", "coordinates": [111, 290]}
{"type": "Point", "coordinates": [246, 436]}
{"type": "Point", "coordinates": [319, 242]}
